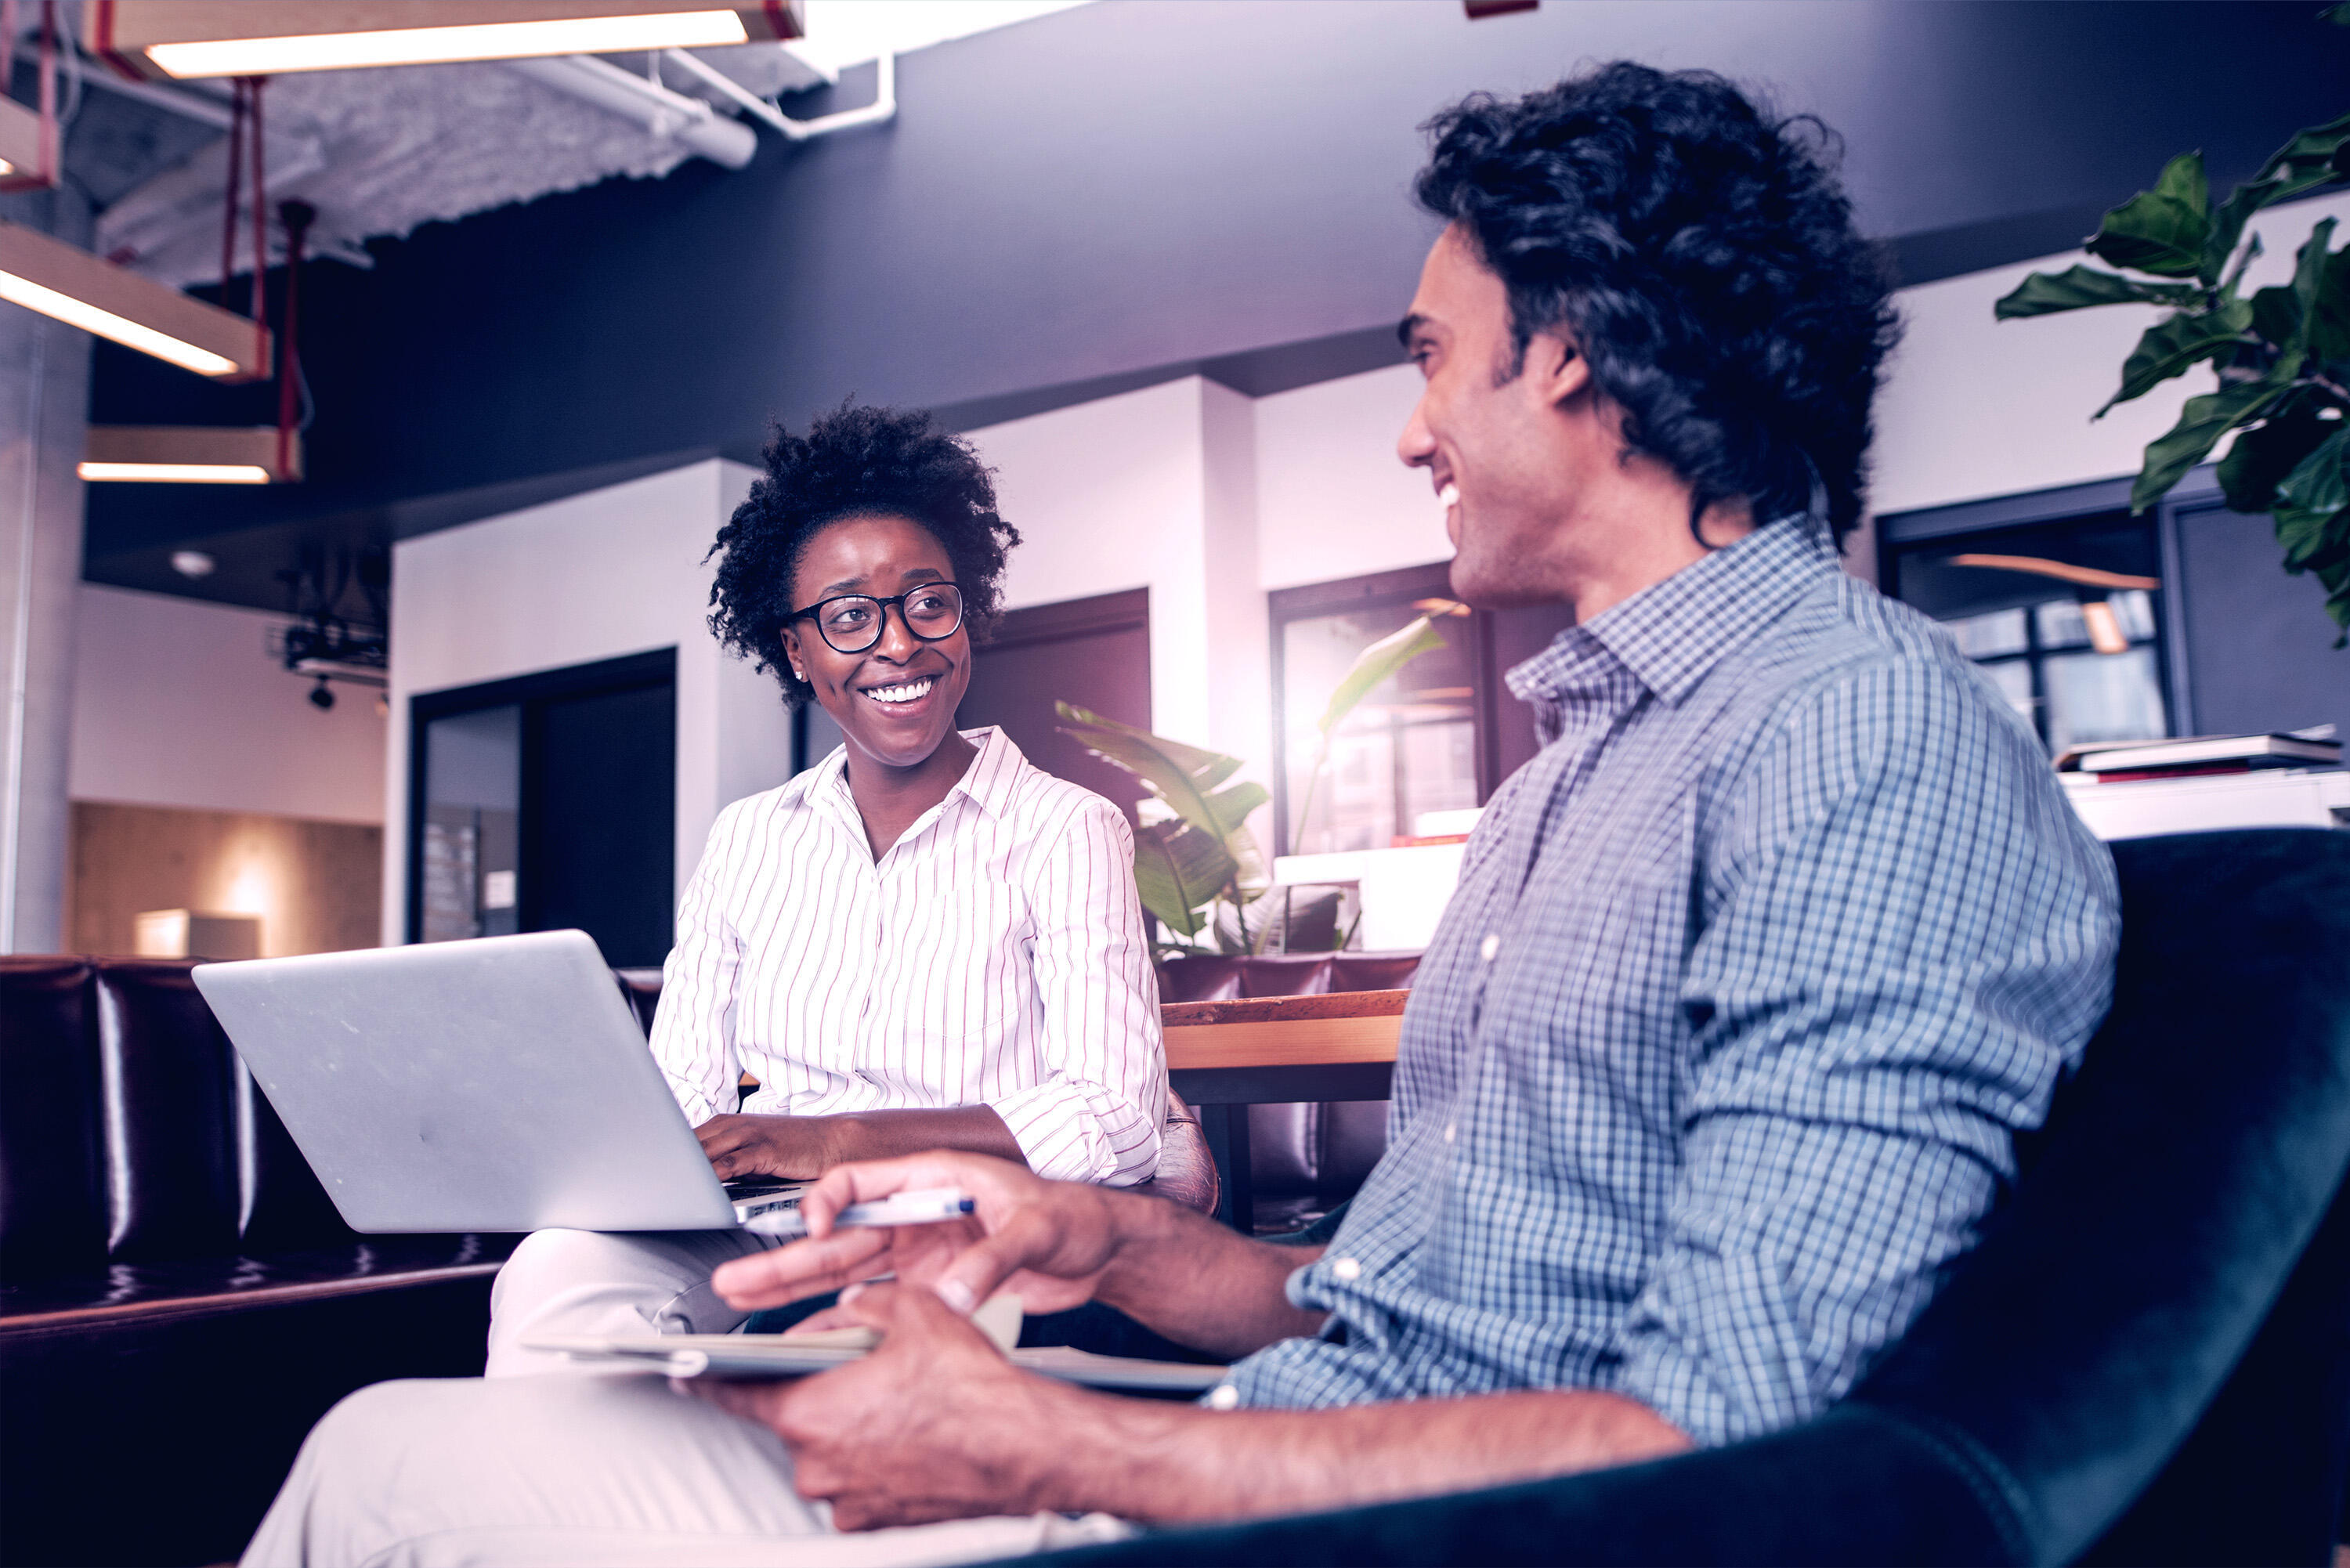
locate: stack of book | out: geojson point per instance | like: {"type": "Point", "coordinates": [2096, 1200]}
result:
{"type": "Point", "coordinates": [2116, 761]}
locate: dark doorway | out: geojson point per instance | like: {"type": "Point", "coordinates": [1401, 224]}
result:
{"type": "Point", "coordinates": [547, 802]}
{"type": "Point", "coordinates": [1093, 652]}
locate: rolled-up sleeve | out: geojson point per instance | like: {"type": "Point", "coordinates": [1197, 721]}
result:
{"type": "Point", "coordinates": [1907, 939]}
{"type": "Point", "coordinates": [693, 1033]}
{"type": "Point", "coordinates": [1095, 1113]}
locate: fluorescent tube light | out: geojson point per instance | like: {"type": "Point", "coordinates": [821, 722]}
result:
{"type": "Point", "coordinates": [163, 39]}
{"type": "Point", "coordinates": [106, 324]}
{"type": "Point", "coordinates": [175, 473]}
{"type": "Point", "coordinates": [190, 454]}
{"type": "Point", "coordinates": [429, 46]}
{"type": "Point", "coordinates": [77, 288]}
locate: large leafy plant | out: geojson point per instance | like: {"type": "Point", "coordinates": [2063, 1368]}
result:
{"type": "Point", "coordinates": [2282, 355]}
{"type": "Point", "coordinates": [1200, 871]}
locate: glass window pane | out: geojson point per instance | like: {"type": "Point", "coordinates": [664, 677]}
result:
{"type": "Point", "coordinates": [2103, 696]}
{"type": "Point", "coordinates": [473, 794]}
{"type": "Point", "coordinates": [1990, 636]}
{"type": "Point", "coordinates": [1410, 746]}
{"type": "Point", "coordinates": [2061, 624]}
{"type": "Point", "coordinates": [2134, 612]}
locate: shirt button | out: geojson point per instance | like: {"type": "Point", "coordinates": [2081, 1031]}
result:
{"type": "Point", "coordinates": [1491, 946]}
{"type": "Point", "coordinates": [1450, 1129]}
{"type": "Point", "coordinates": [1347, 1268]}
{"type": "Point", "coordinates": [1224, 1396]}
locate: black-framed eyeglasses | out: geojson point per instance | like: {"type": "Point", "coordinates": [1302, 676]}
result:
{"type": "Point", "coordinates": [852, 623]}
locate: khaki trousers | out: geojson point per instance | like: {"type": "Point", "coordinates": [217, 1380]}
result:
{"type": "Point", "coordinates": [589, 1471]}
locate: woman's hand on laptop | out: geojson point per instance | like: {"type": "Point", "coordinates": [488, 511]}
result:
{"type": "Point", "coordinates": [798, 1148]}
{"type": "Point", "coordinates": [1047, 1241]}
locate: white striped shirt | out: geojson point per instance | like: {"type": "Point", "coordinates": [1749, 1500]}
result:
{"type": "Point", "coordinates": [995, 955]}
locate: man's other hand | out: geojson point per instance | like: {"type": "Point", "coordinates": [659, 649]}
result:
{"type": "Point", "coordinates": [934, 1424]}
{"type": "Point", "coordinates": [1047, 1241]}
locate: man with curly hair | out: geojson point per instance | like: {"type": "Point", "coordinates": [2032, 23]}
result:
{"type": "Point", "coordinates": [920, 942]}
{"type": "Point", "coordinates": [1713, 1067]}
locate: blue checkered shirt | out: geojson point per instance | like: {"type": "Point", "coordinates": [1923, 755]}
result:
{"type": "Point", "coordinates": [1714, 1066]}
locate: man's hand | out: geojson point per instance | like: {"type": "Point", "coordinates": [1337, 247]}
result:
{"type": "Point", "coordinates": [934, 1424]}
{"type": "Point", "coordinates": [798, 1148]}
{"type": "Point", "coordinates": [1047, 1240]}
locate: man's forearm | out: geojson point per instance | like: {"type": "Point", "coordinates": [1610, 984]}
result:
{"type": "Point", "coordinates": [1141, 1459]}
{"type": "Point", "coordinates": [1201, 1284]}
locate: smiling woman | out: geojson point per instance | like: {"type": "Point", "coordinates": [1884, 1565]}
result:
{"type": "Point", "coordinates": [920, 942]}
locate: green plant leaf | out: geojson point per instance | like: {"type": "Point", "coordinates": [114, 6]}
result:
{"type": "Point", "coordinates": [1376, 665]}
{"type": "Point", "coordinates": [2176, 344]}
{"type": "Point", "coordinates": [1178, 871]}
{"type": "Point", "coordinates": [2271, 450]}
{"type": "Point", "coordinates": [2163, 231]}
{"type": "Point", "coordinates": [2201, 425]}
{"type": "Point", "coordinates": [2079, 287]}
{"type": "Point", "coordinates": [2276, 314]}
{"type": "Point", "coordinates": [1179, 774]}
{"type": "Point", "coordinates": [2313, 157]}
{"type": "Point", "coordinates": [2309, 271]}
{"type": "Point", "coordinates": [2228, 225]}
{"type": "Point", "coordinates": [2307, 499]}
{"type": "Point", "coordinates": [2329, 338]}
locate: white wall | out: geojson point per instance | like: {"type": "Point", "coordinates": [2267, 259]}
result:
{"type": "Point", "coordinates": [177, 702]}
{"type": "Point", "coordinates": [1150, 489]}
{"type": "Point", "coordinates": [594, 577]}
{"type": "Point", "coordinates": [1971, 407]}
{"type": "Point", "coordinates": [1333, 500]}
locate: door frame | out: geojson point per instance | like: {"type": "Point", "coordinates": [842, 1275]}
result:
{"type": "Point", "coordinates": [657, 666]}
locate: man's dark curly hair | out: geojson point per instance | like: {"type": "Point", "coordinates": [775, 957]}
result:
{"type": "Point", "coordinates": [1700, 254]}
{"type": "Point", "coordinates": [853, 462]}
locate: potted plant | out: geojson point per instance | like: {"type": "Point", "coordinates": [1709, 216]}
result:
{"type": "Point", "coordinates": [2282, 354]}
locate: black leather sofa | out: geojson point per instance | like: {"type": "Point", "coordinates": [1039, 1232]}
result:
{"type": "Point", "coordinates": [179, 1300]}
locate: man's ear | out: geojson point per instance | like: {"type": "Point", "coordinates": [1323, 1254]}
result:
{"type": "Point", "coordinates": [1555, 369]}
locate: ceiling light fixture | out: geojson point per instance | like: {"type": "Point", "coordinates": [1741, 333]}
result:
{"type": "Point", "coordinates": [194, 564]}
{"type": "Point", "coordinates": [159, 39]}
{"type": "Point", "coordinates": [77, 288]}
{"type": "Point", "coordinates": [189, 454]}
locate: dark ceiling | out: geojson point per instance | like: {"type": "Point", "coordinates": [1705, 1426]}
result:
{"type": "Point", "coordinates": [1111, 195]}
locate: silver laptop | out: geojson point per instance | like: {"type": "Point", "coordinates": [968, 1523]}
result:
{"type": "Point", "coordinates": [496, 1084]}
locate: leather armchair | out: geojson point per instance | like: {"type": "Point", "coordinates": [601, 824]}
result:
{"type": "Point", "coordinates": [2146, 1358]}
{"type": "Point", "coordinates": [1304, 1158]}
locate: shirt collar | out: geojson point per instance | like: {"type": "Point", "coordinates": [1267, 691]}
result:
{"type": "Point", "coordinates": [988, 782]}
{"type": "Point", "coordinates": [1671, 633]}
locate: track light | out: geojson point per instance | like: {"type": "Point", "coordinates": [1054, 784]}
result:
{"type": "Point", "coordinates": [322, 696]}
{"type": "Point", "coordinates": [78, 289]}
{"type": "Point", "coordinates": [160, 39]}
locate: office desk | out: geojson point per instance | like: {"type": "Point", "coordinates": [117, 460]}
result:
{"type": "Point", "coordinates": [1224, 1056]}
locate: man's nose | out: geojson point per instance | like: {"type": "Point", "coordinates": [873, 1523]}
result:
{"type": "Point", "coordinates": [1417, 446]}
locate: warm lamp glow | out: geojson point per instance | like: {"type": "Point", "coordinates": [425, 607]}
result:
{"type": "Point", "coordinates": [106, 324]}
{"type": "Point", "coordinates": [175, 473]}
{"type": "Point", "coordinates": [428, 45]}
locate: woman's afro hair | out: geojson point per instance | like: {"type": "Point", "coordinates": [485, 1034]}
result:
{"type": "Point", "coordinates": [853, 462]}
{"type": "Point", "coordinates": [1700, 254]}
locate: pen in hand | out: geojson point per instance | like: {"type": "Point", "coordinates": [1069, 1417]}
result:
{"type": "Point", "coordinates": [928, 1205]}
